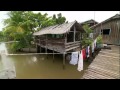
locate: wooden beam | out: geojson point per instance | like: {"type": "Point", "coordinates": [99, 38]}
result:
{"type": "Point", "coordinates": [72, 42]}
{"type": "Point", "coordinates": [73, 31]}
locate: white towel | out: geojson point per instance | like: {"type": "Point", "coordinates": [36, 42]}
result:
{"type": "Point", "coordinates": [88, 50]}
{"type": "Point", "coordinates": [74, 58]}
{"type": "Point", "coordinates": [95, 42]}
{"type": "Point", "coordinates": [80, 62]}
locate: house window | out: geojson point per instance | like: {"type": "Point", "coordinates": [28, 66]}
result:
{"type": "Point", "coordinates": [77, 36]}
{"type": "Point", "coordinates": [105, 31]}
{"type": "Point", "coordinates": [56, 36]}
{"type": "Point", "coordinates": [70, 37]}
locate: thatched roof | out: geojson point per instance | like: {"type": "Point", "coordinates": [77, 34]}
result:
{"type": "Point", "coordinates": [117, 16]}
{"type": "Point", "coordinates": [59, 29]}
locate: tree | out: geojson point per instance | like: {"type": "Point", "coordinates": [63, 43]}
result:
{"type": "Point", "coordinates": [86, 40]}
{"type": "Point", "coordinates": [1, 35]}
{"type": "Point", "coordinates": [17, 27]}
{"type": "Point", "coordinates": [59, 19]}
{"type": "Point", "coordinates": [21, 25]}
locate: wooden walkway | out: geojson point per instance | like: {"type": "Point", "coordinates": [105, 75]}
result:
{"type": "Point", "coordinates": [106, 65]}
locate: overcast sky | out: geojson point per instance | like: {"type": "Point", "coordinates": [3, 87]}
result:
{"type": "Point", "coordinates": [80, 16]}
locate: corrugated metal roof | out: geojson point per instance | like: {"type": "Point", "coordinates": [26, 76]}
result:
{"type": "Point", "coordinates": [89, 21]}
{"type": "Point", "coordinates": [117, 16]}
{"type": "Point", "coordinates": [56, 29]}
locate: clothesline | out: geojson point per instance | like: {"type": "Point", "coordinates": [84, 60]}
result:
{"type": "Point", "coordinates": [78, 56]}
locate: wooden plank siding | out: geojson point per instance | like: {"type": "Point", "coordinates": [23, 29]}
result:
{"type": "Point", "coordinates": [58, 45]}
{"type": "Point", "coordinates": [114, 36]}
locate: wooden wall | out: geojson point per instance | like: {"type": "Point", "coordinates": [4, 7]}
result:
{"type": "Point", "coordinates": [114, 36]}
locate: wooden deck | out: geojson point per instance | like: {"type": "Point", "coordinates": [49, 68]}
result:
{"type": "Point", "coordinates": [106, 65]}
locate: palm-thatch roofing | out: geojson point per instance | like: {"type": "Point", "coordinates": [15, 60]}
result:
{"type": "Point", "coordinates": [59, 29]}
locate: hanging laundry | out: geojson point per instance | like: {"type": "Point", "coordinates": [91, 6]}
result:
{"type": "Point", "coordinates": [95, 43]}
{"type": "Point", "coordinates": [88, 51]}
{"type": "Point", "coordinates": [92, 47]}
{"type": "Point", "coordinates": [74, 58]}
{"type": "Point", "coordinates": [80, 62]}
{"type": "Point", "coordinates": [91, 35]}
{"type": "Point", "coordinates": [84, 53]}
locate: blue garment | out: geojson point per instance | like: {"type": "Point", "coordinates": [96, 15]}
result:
{"type": "Point", "coordinates": [87, 51]}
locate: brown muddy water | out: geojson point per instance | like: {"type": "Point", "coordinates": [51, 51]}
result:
{"type": "Point", "coordinates": [41, 67]}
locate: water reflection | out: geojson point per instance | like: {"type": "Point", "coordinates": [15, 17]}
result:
{"type": "Point", "coordinates": [38, 66]}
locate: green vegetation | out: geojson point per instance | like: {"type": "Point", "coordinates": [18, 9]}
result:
{"type": "Point", "coordinates": [86, 40]}
{"type": "Point", "coordinates": [1, 36]}
{"type": "Point", "coordinates": [99, 39]}
{"type": "Point", "coordinates": [21, 25]}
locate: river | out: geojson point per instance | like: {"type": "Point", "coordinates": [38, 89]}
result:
{"type": "Point", "coordinates": [40, 67]}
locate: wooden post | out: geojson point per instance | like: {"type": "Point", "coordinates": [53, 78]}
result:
{"type": "Point", "coordinates": [40, 49]}
{"type": "Point", "coordinates": [46, 47]}
{"type": "Point", "coordinates": [74, 33]}
{"type": "Point", "coordinates": [64, 60]}
{"type": "Point", "coordinates": [80, 41]}
{"type": "Point", "coordinates": [65, 38]}
{"type": "Point", "coordinates": [40, 45]}
{"type": "Point", "coordinates": [53, 55]}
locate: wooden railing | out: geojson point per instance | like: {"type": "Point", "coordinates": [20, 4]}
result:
{"type": "Point", "coordinates": [50, 41]}
{"type": "Point", "coordinates": [59, 42]}
{"type": "Point", "coordinates": [72, 45]}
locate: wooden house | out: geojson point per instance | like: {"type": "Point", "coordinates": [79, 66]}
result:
{"type": "Point", "coordinates": [60, 38]}
{"type": "Point", "coordinates": [109, 29]}
{"type": "Point", "coordinates": [89, 22]}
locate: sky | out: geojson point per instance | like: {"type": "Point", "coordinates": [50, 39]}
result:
{"type": "Point", "coordinates": [79, 16]}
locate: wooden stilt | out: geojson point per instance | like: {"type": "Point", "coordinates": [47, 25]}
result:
{"type": "Point", "coordinates": [64, 61]}
{"type": "Point", "coordinates": [46, 47]}
{"type": "Point", "coordinates": [53, 55]}
{"type": "Point", "coordinates": [46, 53]}
{"type": "Point", "coordinates": [40, 49]}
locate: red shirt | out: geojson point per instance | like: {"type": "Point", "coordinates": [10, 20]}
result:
{"type": "Point", "coordinates": [84, 53]}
